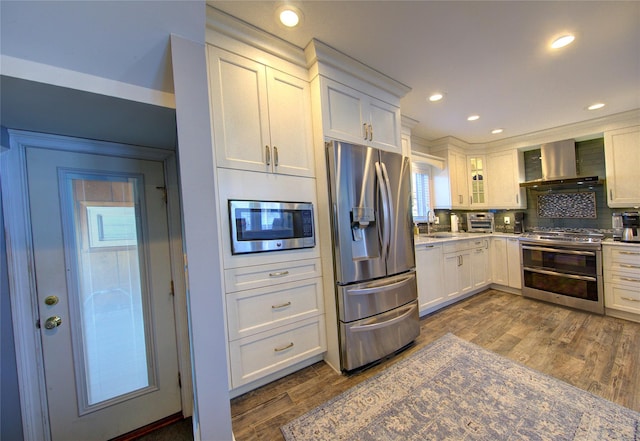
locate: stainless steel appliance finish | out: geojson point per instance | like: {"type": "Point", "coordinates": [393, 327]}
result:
{"type": "Point", "coordinates": [480, 223]}
{"type": "Point", "coordinates": [616, 225]}
{"type": "Point", "coordinates": [518, 222]}
{"type": "Point", "coordinates": [563, 268]}
{"type": "Point", "coordinates": [630, 226]}
{"type": "Point", "coordinates": [558, 162]}
{"type": "Point", "coordinates": [259, 226]}
{"type": "Point", "coordinates": [374, 262]}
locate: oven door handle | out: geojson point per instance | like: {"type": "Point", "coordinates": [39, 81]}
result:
{"type": "Point", "coordinates": [555, 273]}
{"type": "Point", "coordinates": [560, 251]}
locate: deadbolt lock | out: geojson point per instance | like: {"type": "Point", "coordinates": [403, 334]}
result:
{"type": "Point", "coordinates": [51, 300]}
{"type": "Point", "coordinates": [53, 322]}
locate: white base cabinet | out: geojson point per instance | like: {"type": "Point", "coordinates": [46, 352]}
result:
{"type": "Point", "coordinates": [457, 269]}
{"type": "Point", "coordinates": [275, 317]}
{"type": "Point", "coordinates": [506, 262]}
{"type": "Point", "coordinates": [480, 263]}
{"type": "Point", "coordinates": [429, 275]}
{"type": "Point", "coordinates": [621, 265]}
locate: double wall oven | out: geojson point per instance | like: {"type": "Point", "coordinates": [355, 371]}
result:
{"type": "Point", "coordinates": [563, 268]}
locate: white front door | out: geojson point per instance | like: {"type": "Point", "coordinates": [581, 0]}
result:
{"type": "Point", "coordinates": [103, 276]}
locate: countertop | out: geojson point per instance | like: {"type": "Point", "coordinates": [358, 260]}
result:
{"type": "Point", "coordinates": [616, 243]}
{"type": "Point", "coordinates": [449, 237]}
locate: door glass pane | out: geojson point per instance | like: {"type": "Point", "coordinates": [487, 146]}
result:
{"type": "Point", "coordinates": [108, 287]}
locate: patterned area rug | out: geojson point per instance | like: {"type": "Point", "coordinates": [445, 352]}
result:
{"type": "Point", "coordinates": [455, 390]}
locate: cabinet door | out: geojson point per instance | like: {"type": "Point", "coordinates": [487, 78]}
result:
{"type": "Point", "coordinates": [342, 112]}
{"type": "Point", "coordinates": [451, 284]}
{"type": "Point", "coordinates": [504, 173]}
{"type": "Point", "coordinates": [290, 124]}
{"type": "Point", "coordinates": [480, 265]}
{"type": "Point", "coordinates": [477, 181]}
{"type": "Point", "coordinates": [513, 259]}
{"type": "Point", "coordinates": [239, 109]}
{"type": "Point", "coordinates": [385, 125]}
{"type": "Point", "coordinates": [499, 268]}
{"type": "Point", "coordinates": [458, 176]}
{"type": "Point", "coordinates": [465, 276]}
{"type": "Point", "coordinates": [622, 162]}
{"type": "Point", "coordinates": [429, 277]}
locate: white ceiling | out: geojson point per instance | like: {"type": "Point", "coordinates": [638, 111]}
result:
{"type": "Point", "coordinates": [490, 58]}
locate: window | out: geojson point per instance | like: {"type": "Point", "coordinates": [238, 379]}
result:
{"type": "Point", "coordinates": [421, 193]}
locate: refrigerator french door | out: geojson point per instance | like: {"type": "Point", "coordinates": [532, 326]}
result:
{"type": "Point", "coordinates": [374, 261]}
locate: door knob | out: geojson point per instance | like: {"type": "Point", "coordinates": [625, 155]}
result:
{"type": "Point", "coordinates": [53, 322]}
{"type": "Point", "coordinates": [51, 300]}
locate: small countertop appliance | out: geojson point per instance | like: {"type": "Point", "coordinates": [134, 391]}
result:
{"type": "Point", "coordinates": [480, 223]}
{"type": "Point", "coordinates": [630, 226]}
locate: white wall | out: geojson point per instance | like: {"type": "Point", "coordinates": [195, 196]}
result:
{"type": "Point", "coordinates": [121, 49]}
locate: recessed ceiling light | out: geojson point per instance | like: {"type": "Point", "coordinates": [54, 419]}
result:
{"type": "Point", "coordinates": [497, 131]}
{"type": "Point", "coordinates": [596, 106]}
{"type": "Point", "coordinates": [562, 41]}
{"type": "Point", "coordinates": [289, 16]}
{"type": "Point", "coordinates": [436, 97]}
{"type": "Point", "coordinates": [473, 118]}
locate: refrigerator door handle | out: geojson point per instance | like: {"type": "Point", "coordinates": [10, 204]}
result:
{"type": "Point", "coordinates": [379, 288]}
{"type": "Point", "coordinates": [392, 220]}
{"type": "Point", "coordinates": [385, 210]}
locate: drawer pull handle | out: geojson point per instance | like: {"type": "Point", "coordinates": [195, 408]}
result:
{"type": "Point", "coordinates": [279, 274]}
{"type": "Point", "coordinates": [282, 305]}
{"type": "Point", "coordinates": [626, 265]}
{"type": "Point", "coordinates": [629, 279]}
{"type": "Point", "coordinates": [630, 299]}
{"type": "Point", "coordinates": [284, 348]}
{"type": "Point", "coordinates": [630, 252]}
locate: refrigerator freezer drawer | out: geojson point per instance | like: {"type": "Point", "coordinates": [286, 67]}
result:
{"type": "Point", "coordinates": [362, 300]}
{"type": "Point", "coordinates": [371, 339]}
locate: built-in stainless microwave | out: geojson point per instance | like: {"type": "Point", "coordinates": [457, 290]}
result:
{"type": "Point", "coordinates": [258, 226]}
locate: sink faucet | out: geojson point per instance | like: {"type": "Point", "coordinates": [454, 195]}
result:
{"type": "Point", "coordinates": [428, 221]}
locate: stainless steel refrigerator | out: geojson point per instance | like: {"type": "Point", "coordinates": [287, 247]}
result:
{"type": "Point", "coordinates": [374, 260]}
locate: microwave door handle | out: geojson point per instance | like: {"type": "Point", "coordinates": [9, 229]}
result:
{"type": "Point", "coordinates": [385, 210]}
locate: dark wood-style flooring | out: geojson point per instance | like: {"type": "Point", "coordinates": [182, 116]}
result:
{"type": "Point", "coordinates": [595, 353]}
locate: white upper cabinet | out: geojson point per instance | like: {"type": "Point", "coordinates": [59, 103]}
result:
{"type": "Point", "coordinates": [477, 181]}
{"type": "Point", "coordinates": [451, 188]}
{"type": "Point", "coordinates": [354, 102]}
{"type": "Point", "coordinates": [353, 116]}
{"type": "Point", "coordinates": [622, 162]}
{"type": "Point", "coordinates": [505, 171]}
{"type": "Point", "coordinates": [261, 116]}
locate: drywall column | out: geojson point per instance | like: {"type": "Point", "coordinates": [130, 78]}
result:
{"type": "Point", "coordinates": [212, 413]}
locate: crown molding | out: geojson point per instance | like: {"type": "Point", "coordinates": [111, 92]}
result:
{"type": "Point", "coordinates": [323, 59]}
{"type": "Point", "coordinates": [581, 131]}
{"type": "Point", "coordinates": [228, 26]}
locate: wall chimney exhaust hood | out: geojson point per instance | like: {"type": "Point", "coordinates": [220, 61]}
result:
{"type": "Point", "coordinates": [558, 160]}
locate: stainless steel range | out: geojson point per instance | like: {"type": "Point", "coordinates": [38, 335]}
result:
{"type": "Point", "coordinates": [563, 267]}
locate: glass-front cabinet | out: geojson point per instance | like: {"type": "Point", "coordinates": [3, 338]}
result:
{"type": "Point", "coordinates": [477, 177]}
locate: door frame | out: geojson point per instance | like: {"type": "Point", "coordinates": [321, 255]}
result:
{"type": "Point", "coordinates": [21, 272]}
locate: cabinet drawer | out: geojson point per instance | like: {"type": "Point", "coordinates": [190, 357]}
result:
{"type": "Point", "coordinates": [458, 245]}
{"type": "Point", "coordinates": [262, 354]}
{"type": "Point", "coordinates": [622, 297]}
{"type": "Point", "coordinates": [623, 257]}
{"type": "Point", "coordinates": [622, 277]}
{"type": "Point", "coordinates": [257, 310]}
{"type": "Point", "coordinates": [248, 277]}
